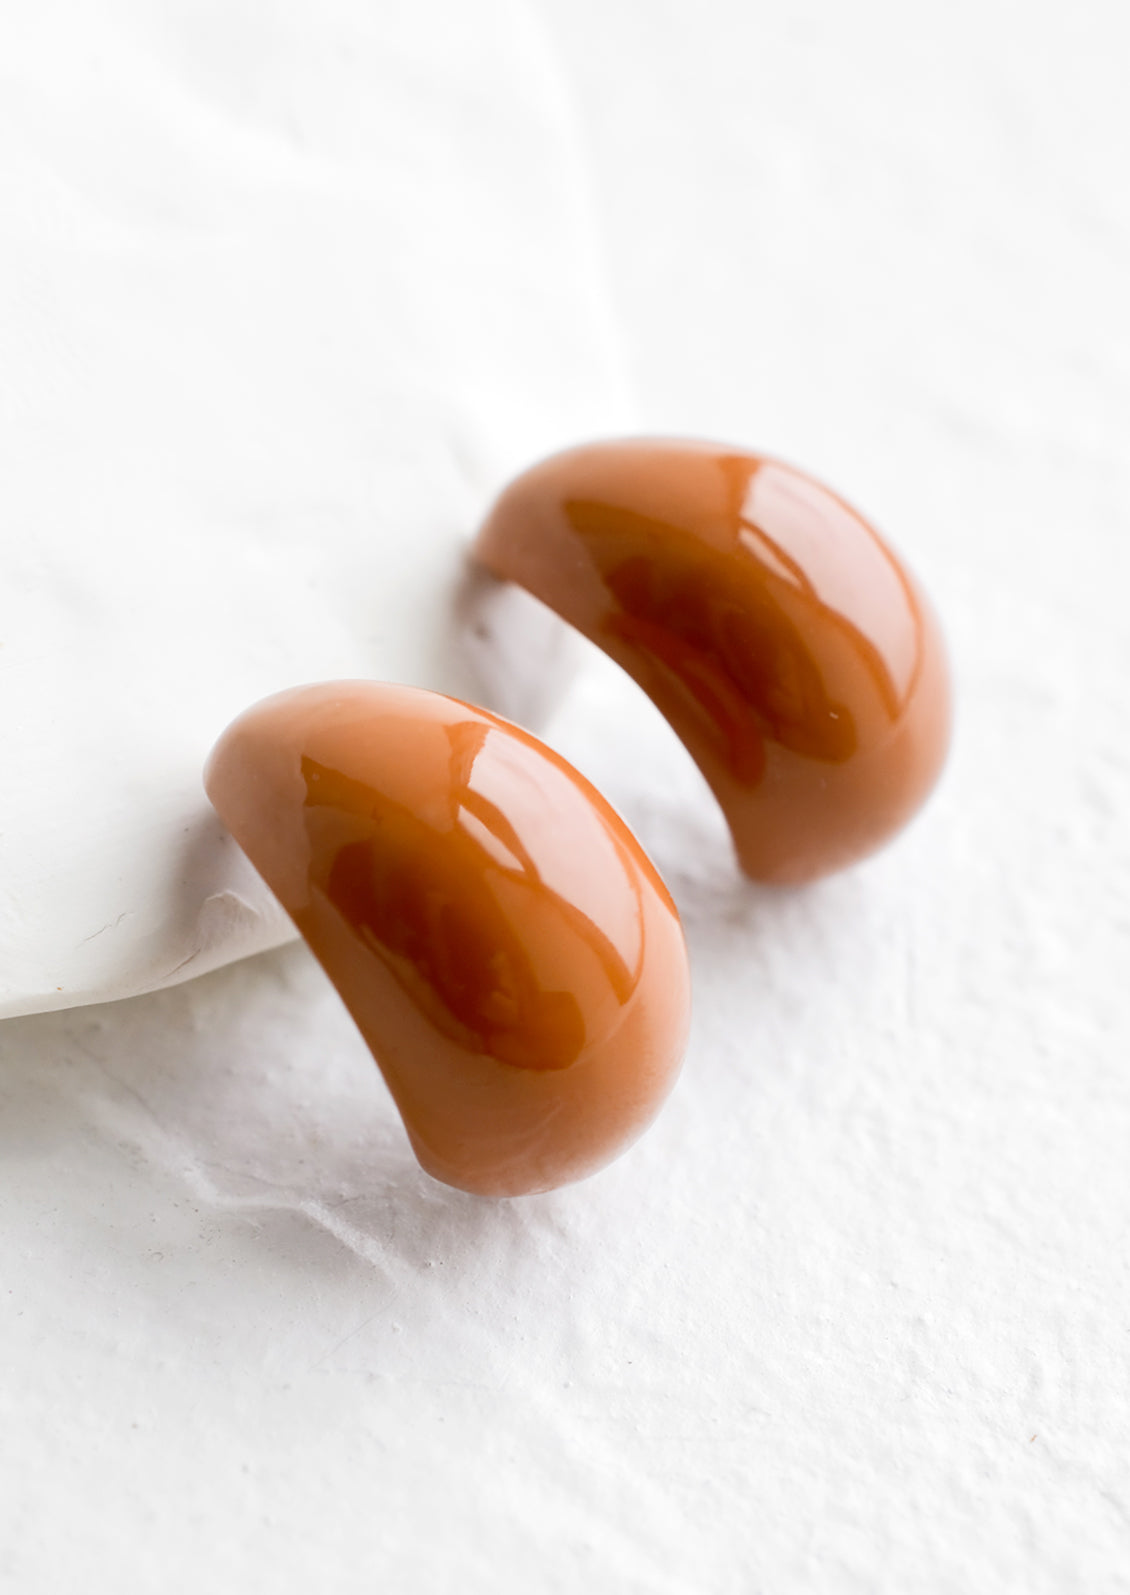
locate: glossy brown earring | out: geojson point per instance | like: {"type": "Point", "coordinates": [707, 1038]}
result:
{"type": "Point", "coordinates": [503, 943]}
{"type": "Point", "coordinates": [789, 647]}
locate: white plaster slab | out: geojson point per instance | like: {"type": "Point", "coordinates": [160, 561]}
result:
{"type": "Point", "coordinates": [284, 293]}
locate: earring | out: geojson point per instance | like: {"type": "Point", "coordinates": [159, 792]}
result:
{"type": "Point", "coordinates": [790, 649]}
{"type": "Point", "coordinates": [503, 943]}
{"type": "Point", "coordinates": [506, 948]}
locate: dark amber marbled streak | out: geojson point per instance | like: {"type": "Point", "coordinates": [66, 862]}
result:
{"type": "Point", "coordinates": [789, 647]}
{"type": "Point", "coordinates": [504, 945]}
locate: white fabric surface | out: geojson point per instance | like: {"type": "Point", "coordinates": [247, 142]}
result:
{"type": "Point", "coordinates": [853, 1316]}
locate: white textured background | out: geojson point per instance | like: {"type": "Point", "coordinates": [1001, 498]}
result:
{"type": "Point", "coordinates": [855, 1316]}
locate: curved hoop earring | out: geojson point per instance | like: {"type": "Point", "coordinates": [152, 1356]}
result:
{"type": "Point", "coordinates": [507, 950]}
{"type": "Point", "coordinates": [791, 650]}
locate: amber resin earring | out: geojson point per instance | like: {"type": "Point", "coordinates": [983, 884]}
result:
{"type": "Point", "coordinates": [505, 946]}
{"type": "Point", "coordinates": [786, 643]}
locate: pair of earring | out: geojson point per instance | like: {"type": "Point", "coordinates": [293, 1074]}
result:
{"type": "Point", "coordinates": [505, 946]}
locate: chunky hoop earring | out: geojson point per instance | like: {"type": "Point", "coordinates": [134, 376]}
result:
{"type": "Point", "coordinates": [791, 650]}
{"type": "Point", "coordinates": [507, 950]}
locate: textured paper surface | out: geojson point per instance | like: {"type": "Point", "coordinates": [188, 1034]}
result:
{"type": "Point", "coordinates": [853, 1316]}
